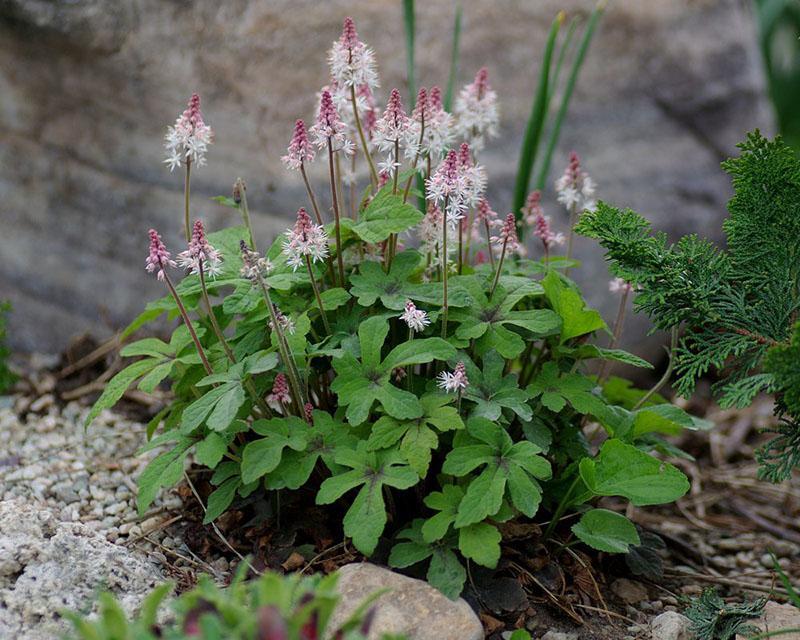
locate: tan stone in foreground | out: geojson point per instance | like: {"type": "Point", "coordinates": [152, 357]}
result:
{"type": "Point", "coordinates": [412, 607]}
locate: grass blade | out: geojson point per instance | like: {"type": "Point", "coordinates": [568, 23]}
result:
{"type": "Point", "coordinates": [533, 130]}
{"type": "Point", "coordinates": [562, 54]}
{"type": "Point", "coordinates": [409, 25]}
{"type": "Point", "coordinates": [454, 54]}
{"type": "Point", "coordinates": [555, 131]}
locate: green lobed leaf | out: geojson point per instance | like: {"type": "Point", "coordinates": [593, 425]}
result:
{"type": "Point", "coordinates": [607, 531]}
{"type": "Point", "coordinates": [116, 387]}
{"type": "Point", "coordinates": [623, 470]}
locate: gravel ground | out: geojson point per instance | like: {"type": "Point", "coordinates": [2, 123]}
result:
{"type": "Point", "coordinates": [84, 476]}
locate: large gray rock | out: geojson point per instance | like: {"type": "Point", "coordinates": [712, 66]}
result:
{"type": "Point", "coordinates": [47, 566]}
{"type": "Point", "coordinates": [411, 607]}
{"type": "Point", "coordinates": [87, 89]}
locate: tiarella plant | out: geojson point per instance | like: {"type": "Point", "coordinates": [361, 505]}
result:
{"type": "Point", "coordinates": [412, 369]}
{"type": "Point", "coordinates": [270, 608]}
{"type": "Point", "coordinates": [733, 311]}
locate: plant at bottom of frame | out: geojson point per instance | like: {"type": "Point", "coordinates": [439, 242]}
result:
{"type": "Point", "coordinates": [272, 607]}
{"type": "Point", "coordinates": [424, 395]}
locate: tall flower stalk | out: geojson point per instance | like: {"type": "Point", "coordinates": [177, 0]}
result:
{"type": "Point", "coordinates": [240, 199]}
{"type": "Point", "coordinates": [186, 143]}
{"type": "Point", "coordinates": [508, 241]}
{"type": "Point", "coordinates": [254, 268]}
{"type": "Point", "coordinates": [305, 244]}
{"type": "Point", "coordinates": [576, 192]}
{"type": "Point", "coordinates": [201, 258]}
{"type": "Point", "coordinates": [159, 258]}
{"type": "Point", "coordinates": [329, 133]}
{"type": "Point", "coordinates": [352, 65]}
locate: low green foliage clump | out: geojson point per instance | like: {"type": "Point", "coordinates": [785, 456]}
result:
{"type": "Point", "coordinates": [271, 608]}
{"type": "Point", "coordinates": [736, 308]}
{"type": "Point", "coordinates": [7, 378]}
{"type": "Point", "coordinates": [428, 395]}
{"type": "Point", "coordinates": [714, 619]}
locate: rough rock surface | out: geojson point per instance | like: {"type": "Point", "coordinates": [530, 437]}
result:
{"type": "Point", "coordinates": [777, 617]}
{"type": "Point", "coordinates": [47, 566]}
{"type": "Point", "coordinates": [670, 625]}
{"type": "Point", "coordinates": [87, 89]}
{"type": "Point", "coordinates": [412, 607]}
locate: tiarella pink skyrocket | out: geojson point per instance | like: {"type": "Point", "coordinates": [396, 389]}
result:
{"type": "Point", "coordinates": [507, 236]}
{"type": "Point", "coordinates": [188, 140]}
{"type": "Point", "coordinates": [159, 257]}
{"type": "Point", "coordinates": [305, 239]}
{"type": "Point", "coordinates": [279, 398]}
{"type": "Point", "coordinates": [253, 265]}
{"type": "Point", "coordinates": [416, 319]}
{"type": "Point", "coordinates": [455, 381]}
{"type": "Point", "coordinates": [329, 126]}
{"type": "Point", "coordinates": [429, 233]}
{"type": "Point", "coordinates": [286, 323]}
{"type": "Point", "coordinates": [575, 188]}
{"type": "Point", "coordinates": [439, 129]}
{"type": "Point", "coordinates": [352, 63]}
{"type": "Point", "coordinates": [300, 151]}
{"type": "Point", "coordinates": [473, 175]}
{"type": "Point", "coordinates": [200, 253]}
{"type": "Point", "coordinates": [618, 285]}
{"type": "Point", "coordinates": [476, 111]}
{"type": "Point", "coordinates": [534, 217]}
{"type": "Point", "coordinates": [485, 217]}
{"type": "Point", "coordinates": [447, 188]}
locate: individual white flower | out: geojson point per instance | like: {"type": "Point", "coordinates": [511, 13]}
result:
{"type": "Point", "coordinates": [187, 141]}
{"type": "Point", "coordinates": [476, 111]}
{"type": "Point", "coordinates": [200, 254]}
{"type": "Point", "coordinates": [455, 381]}
{"type": "Point", "coordinates": [300, 150]}
{"type": "Point", "coordinates": [305, 239]}
{"type": "Point", "coordinates": [416, 319]}
{"type": "Point", "coordinates": [352, 63]}
{"type": "Point", "coordinates": [575, 188]}
{"type": "Point", "coordinates": [253, 265]}
{"type": "Point", "coordinates": [618, 285]}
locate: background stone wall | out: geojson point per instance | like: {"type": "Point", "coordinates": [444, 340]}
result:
{"type": "Point", "coordinates": [88, 87]}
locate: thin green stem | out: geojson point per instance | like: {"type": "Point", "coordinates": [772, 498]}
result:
{"type": "Point", "coordinates": [335, 199]}
{"type": "Point", "coordinates": [396, 166]}
{"type": "Point", "coordinates": [563, 505]}
{"type": "Point", "coordinates": [373, 174]}
{"type": "Point", "coordinates": [573, 218]}
{"type": "Point", "coordinates": [499, 268]}
{"type": "Point", "coordinates": [317, 296]}
{"type": "Point", "coordinates": [246, 214]}
{"type": "Point", "coordinates": [416, 158]}
{"type": "Point", "coordinates": [489, 242]}
{"type": "Point", "coordinates": [228, 351]}
{"type": "Point", "coordinates": [605, 369]}
{"type": "Point", "coordinates": [444, 268]}
{"type": "Point", "coordinates": [186, 181]}
{"type": "Point", "coordinates": [311, 195]}
{"type": "Point", "coordinates": [185, 316]}
{"type": "Point", "coordinates": [673, 347]}
{"type": "Point", "coordinates": [213, 318]}
{"type": "Point", "coordinates": [283, 348]}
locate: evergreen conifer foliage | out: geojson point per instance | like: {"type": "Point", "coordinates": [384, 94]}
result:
{"type": "Point", "coordinates": [737, 307]}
